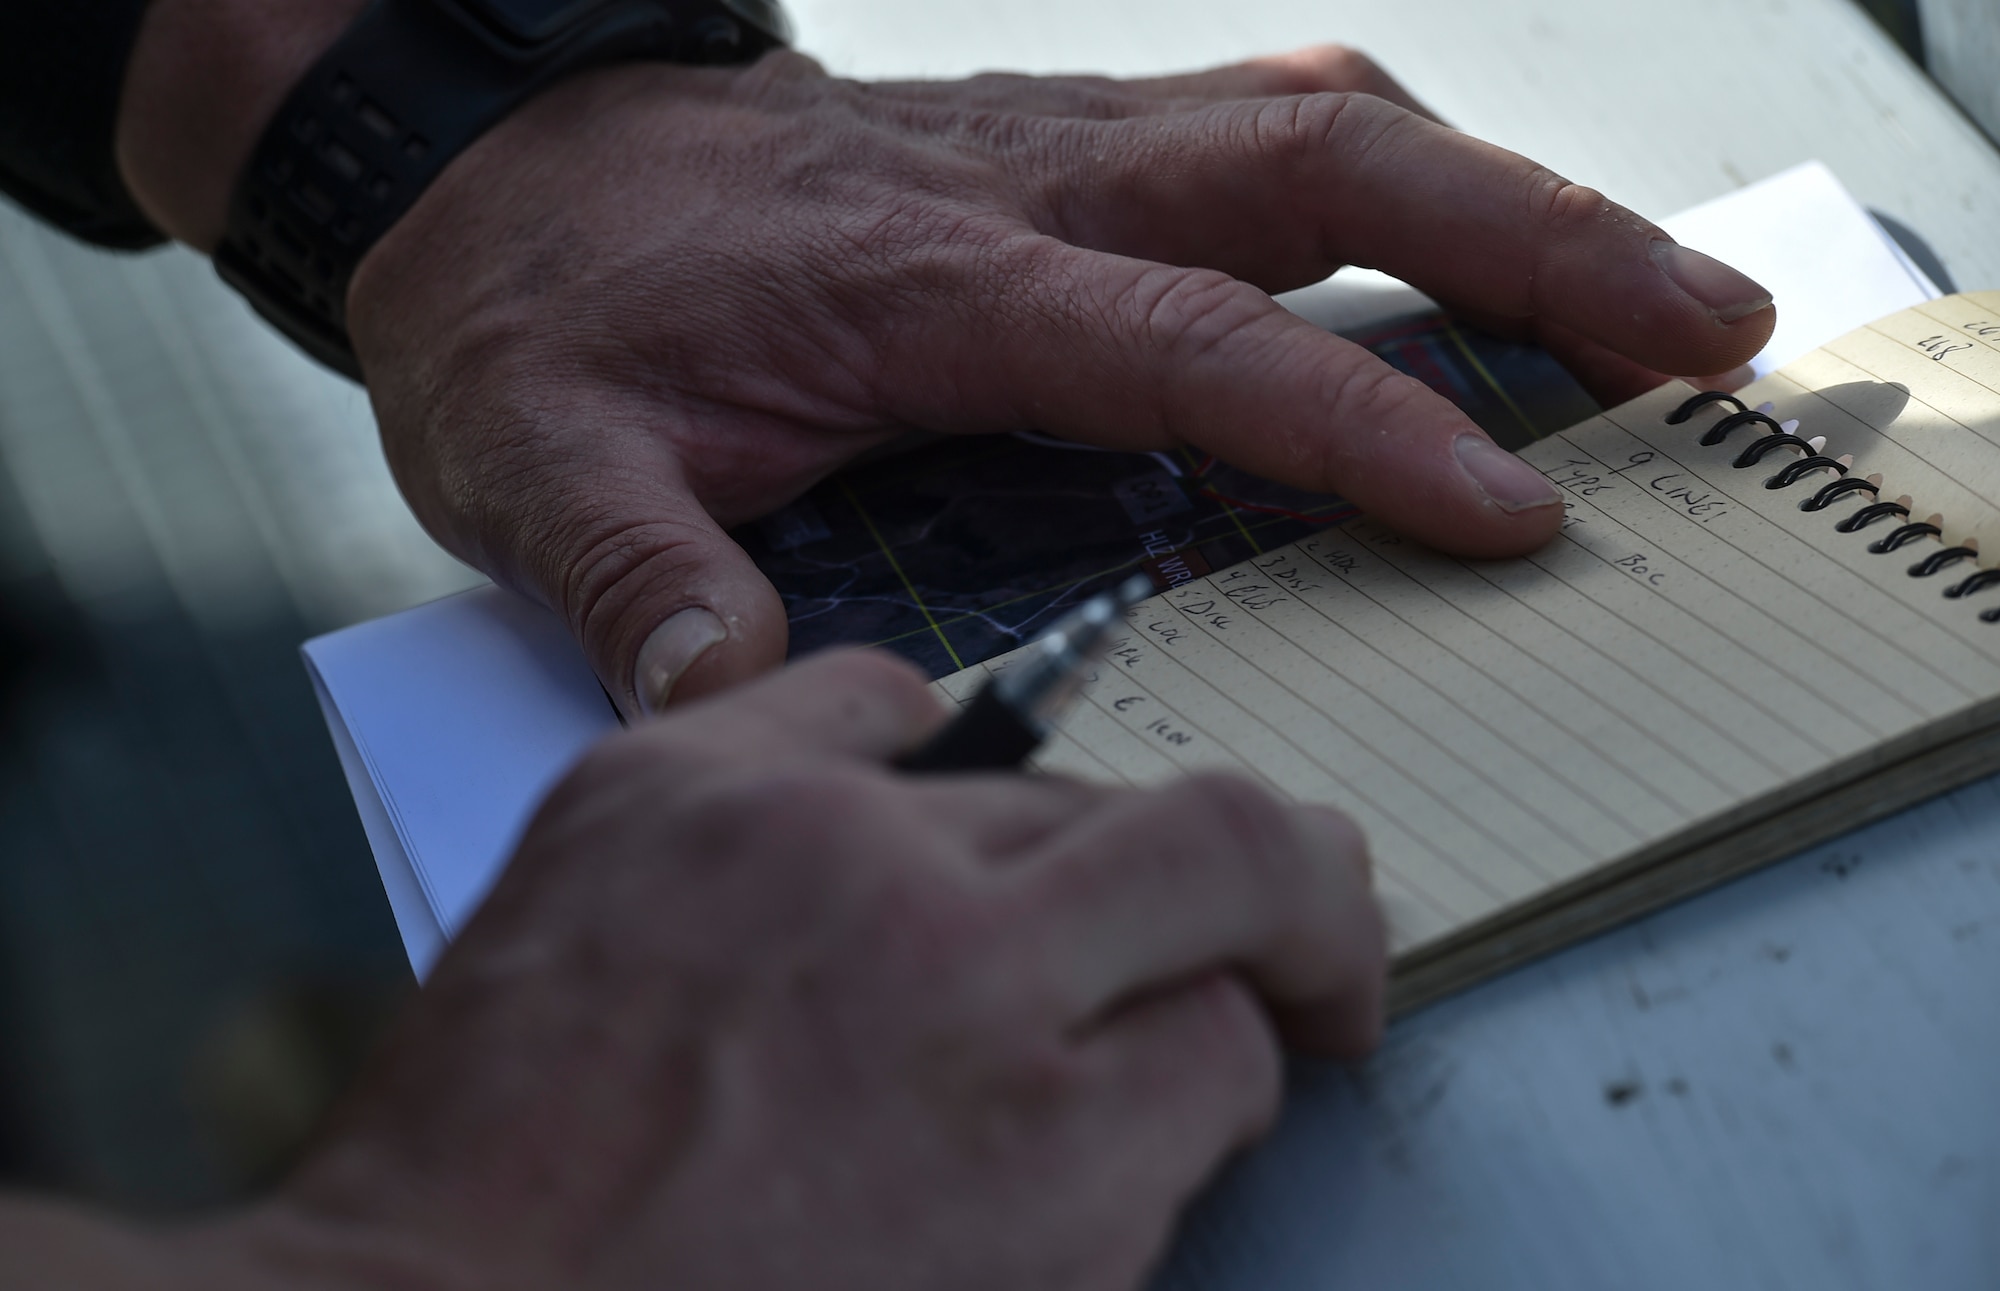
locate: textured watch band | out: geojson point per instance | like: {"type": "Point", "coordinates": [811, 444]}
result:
{"type": "Point", "coordinates": [404, 90]}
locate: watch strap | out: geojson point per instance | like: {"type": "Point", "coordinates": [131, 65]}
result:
{"type": "Point", "coordinates": [407, 87]}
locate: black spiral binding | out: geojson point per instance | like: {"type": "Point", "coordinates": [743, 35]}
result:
{"type": "Point", "coordinates": [1702, 400]}
{"type": "Point", "coordinates": [1870, 514]}
{"type": "Point", "coordinates": [1937, 560]}
{"type": "Point", "coordinates": [1723, 429]}
{"type": "Point", "coordinates": [1796, 471]}
{"type": "Point", "coordinates": [1833, 492]}
{"type": "Point", "coordinates": [1903, 536]}
{"type": "Point", "coordinates": [1792, 472]}
{"type": "Point", "coordinates": [1761, 447]}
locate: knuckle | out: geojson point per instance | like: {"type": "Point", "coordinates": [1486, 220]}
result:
{"type": "Point", "coordinates": [1002, 132]}
{"type": "Point", "coordinates": [779, 69]}
{"type": "Point", "coordinates": [1087, 97]}
{"type": "Point", "coordinates": [1238, 1042]}
{"type": "Point", "coordinates": [1559, 215]}
{"type": "Point", "coordinates": [604, 562]}
{"type": "Point", "coordinates": [1372, 405]}
{"type": "Point", "coordinates": [912, 228]}
{"type": "Point", "coordinates": [1338, 67]}
{"type": "Point", "coordinates": [905, 253]}
{"type": "Point", "coordinates": [1369, 407]}
{"type": "Point", "coordinates": [813, 847]}
{"type": "Point", "coordinates": [1042, 264]}
{"type": "Point", "coordinates": [1249, 825]}
{"type": "Point", "coordinates": [1188, 312]}
{"type": "Point", "coordinates": [1235, 804]}
{"type": "Point", "coordinates": [782, 812]}
{"type": "Point", "coordinates": [1343, 836]}
{"type": "Point", "coordinates": [1043, 1077]}
{"type": "Point", "coordinates": [1562, 207]}
{"type": "Point", "coordinates": [1018, 1101]}
{"type": "Point", "coordinates": [1299, 134]}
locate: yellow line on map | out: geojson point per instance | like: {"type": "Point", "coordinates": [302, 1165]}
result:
{"type": "Point", "coordinates": [984, 610]}
{"type": "Point", "coordinates": [1228, 510]}
{"type": "Point", "coordinates": [897, 565]}
{"type": "Point", "coordinates": [1451, 330]}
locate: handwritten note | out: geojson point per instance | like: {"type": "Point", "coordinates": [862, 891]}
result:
{"type": "Point", "coordinates": [1693, 638]}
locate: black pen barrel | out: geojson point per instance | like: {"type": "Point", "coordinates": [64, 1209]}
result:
{"type": "Point", "coordinates": [987, 735]}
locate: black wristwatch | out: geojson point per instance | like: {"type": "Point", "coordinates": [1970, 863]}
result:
{"type": "Point", "coordinates": [405, 89]}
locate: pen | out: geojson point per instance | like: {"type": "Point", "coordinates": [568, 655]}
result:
{"type": "Point", "coordinates": [1012, 713]}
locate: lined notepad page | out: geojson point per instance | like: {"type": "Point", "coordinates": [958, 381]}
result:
{"type": "Point", "coordinates": [1690, 641]}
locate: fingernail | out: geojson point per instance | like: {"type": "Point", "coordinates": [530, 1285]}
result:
{"type": "Point", "coordinates": [1737, 377]}
{"type": "Point", "coordinates": [670, 652]}
{"type": "Point", "coordinates": [1733, 380]}
{"type": "Point", "coordinates": [1726, 293]}
{"type": "Point", "coordinates": [1509, 482]}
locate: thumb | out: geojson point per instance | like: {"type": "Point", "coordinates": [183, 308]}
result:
{"type": "Point", "coordinates": [665, 603]}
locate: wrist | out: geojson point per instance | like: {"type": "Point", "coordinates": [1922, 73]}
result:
{"type": "Point", "coordinates": [204, 79]}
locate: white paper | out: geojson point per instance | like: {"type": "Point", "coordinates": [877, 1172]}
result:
{"type": "Point", "coordinates": [1827, 263]}
{"type": "Point", "coordinates": [454, 719]}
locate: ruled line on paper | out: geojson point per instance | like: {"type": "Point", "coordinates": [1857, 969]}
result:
{"type": "Point", "coordinates": [1397, 802]}
{"type": "Point", "coordinates": [1800, 614]}
{"type": "Point", "coordinates": [1804, 555]}
{"type": "Point", "coordinates": [1343, 621]}
{"type": "Point", "coordinates": [1536, 624]}
{"type": "Point", "coordinates": [1313, 634]}
{"type": "Point", "coordinates": [1690, 641]}
{"type": "Point", "coordinates": [1760, 699]}
{"type": "Point", "coordinates": [1566, 675]}
{"type": "Point", "coordinates": [1808, 597]}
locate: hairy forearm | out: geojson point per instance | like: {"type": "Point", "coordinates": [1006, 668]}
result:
{"type": "Point", "coordinates": [205, 77]}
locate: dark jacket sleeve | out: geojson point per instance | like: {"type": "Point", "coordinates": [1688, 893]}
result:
{"type": "Point", "coordinates": [62, 65]}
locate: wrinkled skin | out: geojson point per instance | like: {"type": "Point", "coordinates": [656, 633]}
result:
{"type": "Point", "coordinates": [661, 301]}
{"type": "Point", "coordinates": [656, 301]}
{"type": "Point", "coordinates": [748, 1012]}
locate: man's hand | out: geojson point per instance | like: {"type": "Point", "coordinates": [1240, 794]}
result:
{"type": "Point", "coordinates": [749, 1012]}
{"type": "Point", "coordinates": [658, 301]}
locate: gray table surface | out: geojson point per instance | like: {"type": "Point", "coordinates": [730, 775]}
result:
{"type": "Point", "coordinates": [1789, 1082]}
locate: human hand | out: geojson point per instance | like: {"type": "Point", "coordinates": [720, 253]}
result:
{"type": "Point", "coordinates": [658, 301]}
{"type": "Point", "coordinates": [662, 301]}
{"type": "Point", "coordinates": [749, 1011]}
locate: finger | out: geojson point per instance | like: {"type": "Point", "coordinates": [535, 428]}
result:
{"type": "Point", "coordinates": [1186, 1078]}
{"type": "Point", "coordinates": [1208, 874]}
{"type": "Point", "coordinates": [1003, 816]}
{"type": "Point", "coordinates": [862, 704]}
{"type": "Point", "coordinates": [1134, 355]}
{"type": "Point", "coordinates": [1610, 378]}
{"type": "Point", "coordinates": [1319, 69]}
{"type": "Point", "coordinates": [1281, 192]}
{"type": "Point", "coordinates": [666, 605]}
{"type": "Point", "coordinates": [1322, 69]}
{"type": "Point", "coordinates": [1728, 382]}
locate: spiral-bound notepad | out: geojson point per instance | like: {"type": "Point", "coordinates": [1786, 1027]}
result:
{"type": "Point", "coordinates": [1767, 620]}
